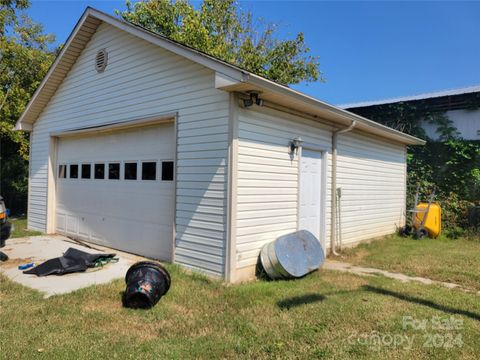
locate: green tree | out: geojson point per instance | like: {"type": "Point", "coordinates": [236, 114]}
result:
{"type": "Point", "coordinates": [24, 60]}
{"type": "Point", "coordinates": [221, 29]}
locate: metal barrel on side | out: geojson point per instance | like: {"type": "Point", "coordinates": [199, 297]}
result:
{"type": "Point", "coordinates": [292, 256]}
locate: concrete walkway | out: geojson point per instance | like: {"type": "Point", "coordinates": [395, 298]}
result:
{"type": "Point", "coordinates": [359, 270]}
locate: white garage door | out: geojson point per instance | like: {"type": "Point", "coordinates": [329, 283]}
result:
{"type": "Point", "coordinates": [117, 189]}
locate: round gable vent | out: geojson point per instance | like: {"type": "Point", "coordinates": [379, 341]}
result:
{"type": "Point", "coordinates": [101, 60]}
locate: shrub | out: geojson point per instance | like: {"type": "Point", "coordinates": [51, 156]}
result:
{"type": "Point", "coordinates": [452, 169]}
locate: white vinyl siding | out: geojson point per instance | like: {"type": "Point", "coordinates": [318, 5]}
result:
{"type": "Point", "coordinates": [372, 176]}
{"type": "Point", "coordinates": [267, 193]}
{"type": "Point", "coordinates": [142, 80]}
{"type": "Point", "coordinates": [467, 123]}
{"type": "Point", "coordinates": [371, 173]}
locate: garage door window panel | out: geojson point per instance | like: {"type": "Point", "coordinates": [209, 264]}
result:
{"type": "Point", "coordinates": [130, 171]}
{"type": "Point", "coordinates": [86, 171]}
{"type": "Point", "coordinates": [74, 171]}
{"type": "Point", "coordinates": [99, 171]}
{"type": "Point", "coordinates": [167, 170]}
{"type": "Point", "coordinates": [149, 170]}
{"type": "Point", "coordinates": [62, 171]}
{"type": "Point", "coordinates": [114, 171]}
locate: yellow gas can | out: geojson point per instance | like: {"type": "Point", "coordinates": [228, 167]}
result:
{"type": "Point", "coordinates": [433, 223]}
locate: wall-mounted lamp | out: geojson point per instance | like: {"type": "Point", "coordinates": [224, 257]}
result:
{"type": "Point", "coordinates": [254, 99]}
{"type": "Point", "coordinates": [295, 144]}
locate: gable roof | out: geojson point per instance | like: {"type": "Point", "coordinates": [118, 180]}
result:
{"type": "Point", "coordinates": [228, 77]}
{"type": "Point", "coordinates": [424, 96]}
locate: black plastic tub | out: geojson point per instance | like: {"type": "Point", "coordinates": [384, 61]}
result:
{"type": "Point", "coordinates": [146, 283]}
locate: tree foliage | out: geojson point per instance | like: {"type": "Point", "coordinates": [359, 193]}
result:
{"type": "Point", "coordinates": [452, 168]}
{"type": "Point", "coordinates": [452, 165]}
{"type": "Point", "coordinates": [222, 30]}
{"type": "Point", "coordinates": [24, 60]}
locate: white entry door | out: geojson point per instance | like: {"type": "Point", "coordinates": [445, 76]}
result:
{"type": "Point", "coordinates": [118, 189]}
{"type": "Point", "coordinates": [310, 192]}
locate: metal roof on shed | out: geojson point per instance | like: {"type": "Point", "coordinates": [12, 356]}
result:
{"type": "Point", "coordinates": [424, 96]}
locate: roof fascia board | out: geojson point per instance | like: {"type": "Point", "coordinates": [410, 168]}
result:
{"type": "Point", "coordinates": [23, 126]}
{"type": "Point", "coordinates": [337, 112]}
{"type": "Point", "coordinates": [223, 81]}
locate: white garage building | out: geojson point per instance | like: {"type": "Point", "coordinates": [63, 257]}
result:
{"type": "Point", "coordinates": [145, 145]}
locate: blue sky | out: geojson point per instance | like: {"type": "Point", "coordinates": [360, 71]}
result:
{"type": "Point", "coordinates": [368, 50]}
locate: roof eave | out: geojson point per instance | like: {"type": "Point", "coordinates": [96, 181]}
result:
{"type": "Point", "coordinates": [228, 77]}
{"type": "Point", "coordinates": [315, 107]}
{"type": "Point", "coordinates": [23, 122]}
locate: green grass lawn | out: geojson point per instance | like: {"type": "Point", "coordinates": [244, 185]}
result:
{"type": "Point", "coordinates": [440, 259]}
{"type": "Point", "coordinates": [326, 315]}
{"type": "Point", "coordinates": [21, 228]}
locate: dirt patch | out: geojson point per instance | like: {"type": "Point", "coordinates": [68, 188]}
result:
{"type": "Point", "coordinates": [10, 263]}
{"type": "Point", "coordinates": [357, 255]}
{"type": "Point", "coordinates": [346, 279]}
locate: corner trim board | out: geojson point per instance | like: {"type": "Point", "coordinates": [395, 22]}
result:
{"type": "Point", "coordinates": [231, 244]}
{"type": "Point", "coordinates": [50, 225]}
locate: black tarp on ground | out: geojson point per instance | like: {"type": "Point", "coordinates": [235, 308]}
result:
{"type": "Point", "coordinates": [73, 260]}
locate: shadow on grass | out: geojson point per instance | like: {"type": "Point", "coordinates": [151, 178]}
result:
{"type": "Point", "coordinates": [288, 303]}
{"type": "Point", "coordinates": [421, 301]}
